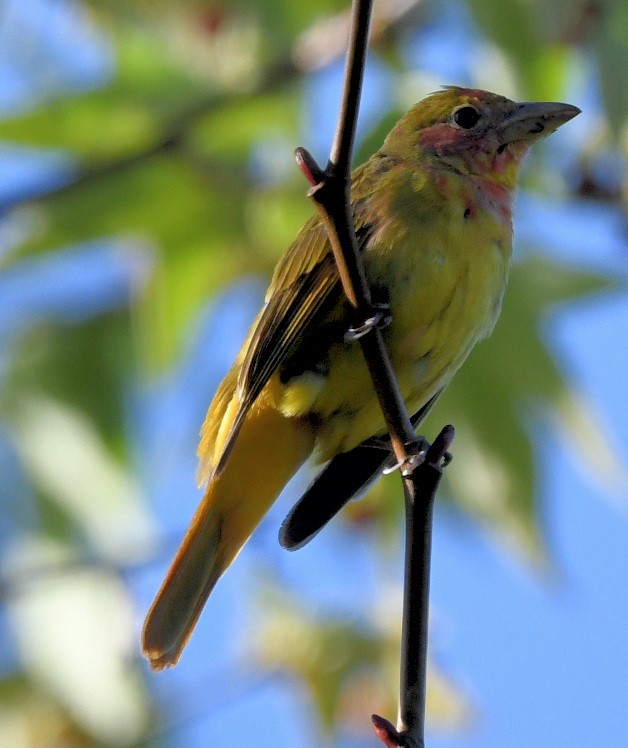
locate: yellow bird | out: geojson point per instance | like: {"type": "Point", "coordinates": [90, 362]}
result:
{"type": "Point", "coordinates": [432, 211]}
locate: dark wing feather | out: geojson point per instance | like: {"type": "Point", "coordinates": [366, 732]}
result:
{"type": "Point", "coordinates": [344, 477]}
{"type": "Point", "coordinates": [284, 323]}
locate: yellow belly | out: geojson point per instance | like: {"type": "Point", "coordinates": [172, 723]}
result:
{"type": "Point", "coordinates": [445, 295]}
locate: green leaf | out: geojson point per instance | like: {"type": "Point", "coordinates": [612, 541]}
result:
{"type": "Point", "coordinates": [513, 25]}
{"type": "Point", "coordinates": [73, 631]}
{"type": "Point", "coordinates": [88, 366]}
{"type": "Point", "coordinates": [350, 667]}
{"type": "Point", "coordinates": [231, 130]}
{"type": "Point", "coordinates": [610, 45]}
{"type": "Point", "coordinates": [148, 95]}
{"type": "Point", "coordinates": [193, 222]}
{"type": "Point", "coordinates": [81, 476]}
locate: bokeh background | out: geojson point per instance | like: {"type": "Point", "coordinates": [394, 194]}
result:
{"type": "Point", "coordinates": [147, 187]}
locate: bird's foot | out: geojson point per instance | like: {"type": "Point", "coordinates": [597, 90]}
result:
{"type": "Point", "coordinates": [380, 317]}
{"type": "Point", "coordinates": [417, 450]}
{"type": "Point", "coordinates": [435, 454]}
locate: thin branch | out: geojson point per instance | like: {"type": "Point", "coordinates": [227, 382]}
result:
{"type": "Point", "coordinates": [342, 147]}
{"type": "Point", "coordinates": [422, 470]}
{"type": "Point", "coordinates": [331, 194]}
{"type": "Point", "coordinates": [420, 492]}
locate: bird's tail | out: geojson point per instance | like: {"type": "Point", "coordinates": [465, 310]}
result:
{"type": "Point", "coordinates": [269, 449]}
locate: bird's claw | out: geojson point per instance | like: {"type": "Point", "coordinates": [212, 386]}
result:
{"type": "Point", "coordinates": [411, 462]}
{"type": "Point", "coordinates": [380, 317]}
{"type": "Point", "coordinates": [447, 458]}
{"type": "Point", "coordinates": [406, 466]}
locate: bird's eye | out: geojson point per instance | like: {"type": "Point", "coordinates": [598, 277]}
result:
{"type": "Point", "coordinates": [466, 117]}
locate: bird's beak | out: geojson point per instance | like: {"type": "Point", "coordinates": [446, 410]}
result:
{"type": "Point", "coordinates": [534, 120]}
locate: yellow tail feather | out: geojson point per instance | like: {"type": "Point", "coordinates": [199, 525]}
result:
{"type": "Point", "coordinates": [268, 451]}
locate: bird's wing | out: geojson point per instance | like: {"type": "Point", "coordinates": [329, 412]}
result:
{"type": "Point", "coordinates": [305, 287]}
{"type": "Point", "coordinates": [302, 286]}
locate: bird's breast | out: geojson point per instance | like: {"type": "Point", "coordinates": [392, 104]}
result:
{"type": "Point", "coordinates": [444, 278]}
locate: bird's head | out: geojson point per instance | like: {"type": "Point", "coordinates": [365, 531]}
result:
{"type": "Point", "coordinates": [475, 132]}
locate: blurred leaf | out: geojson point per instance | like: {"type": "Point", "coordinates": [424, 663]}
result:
{"type": "Point", "coordinates": [610, 44]}
{"type": "Point", "coordinates": [88, 366]}
{"type": "Point", "coordinates": [74, 637]}
{"type": "Point", "coordinates": [324, 653]}
{"type": "Point", "coordinates": [137, 109]}
{"type": "Point", "coordinates": [350, 666]}
{"type": "Point", "coordinates": [82, 478]}
{"type": "Point", "coordinates": [30, 718]}
{"type": "Point", "coordinates": [194, 221]}
{"type": "Point", "coordinates": [163, 199]}
{"type": "Point", "coordinates": [513, 25]}
{"type": "Point", "coordinates": [283, 16]}
{"type": "Point", "coordinates": [233, 129]}
{"type": "Point", "coordinates": [274, 218]}
{"type": "Point", "coordinates": [601, 29]}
